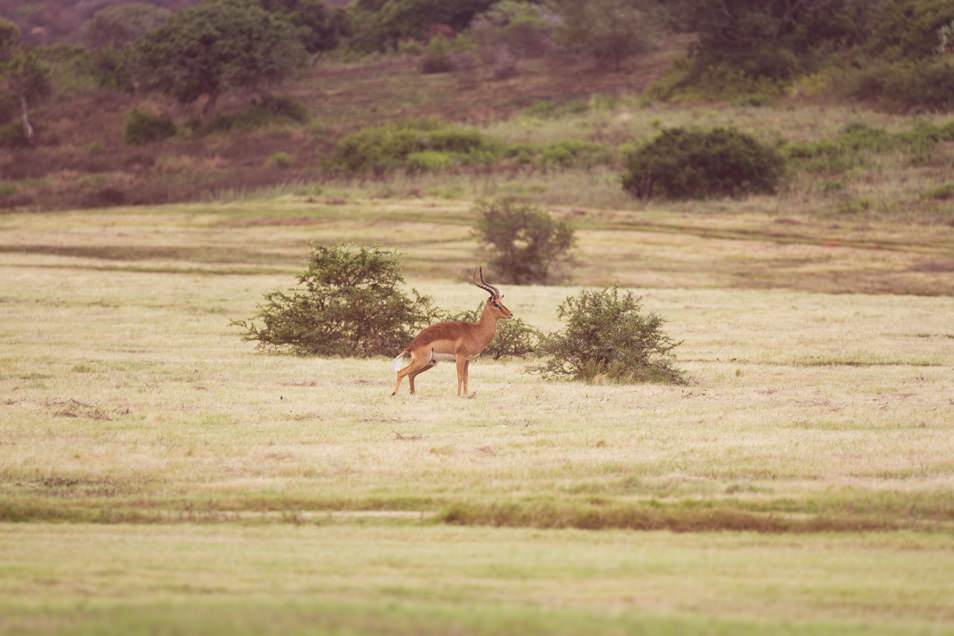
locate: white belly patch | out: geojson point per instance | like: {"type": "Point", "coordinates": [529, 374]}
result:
{"type": "Point", "coordinates": [443, 357]}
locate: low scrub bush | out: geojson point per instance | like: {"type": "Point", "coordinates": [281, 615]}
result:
{"type": "Point", "coordinates": [145, 128]}
{"type": "Point", "coordinates": [552, 109]}
{"type": "Point", "coordinates": [12, 136]}
{"type": "Point", "coordinates": [687, 164]}
{"type": "Point", "coordinates": [524, 241]}
{"type": "Point", "coordinates": [574, 154]}
{"type": "Point", "coordinates": [514, 339]}
{"type": "Point", "coordinates": [430, 161]}
{"type": "Point", "coordinates": [685, 82]}
{"type": "Point", "coordinates": [858, 142]}
{"type": "Point", "coordinates": [849, 149]}
{"type": "Point", "coordinates": [386, 148]}
{"type": "Point", "coordinates": [908, 84]}
{"type": "Point", "coordinates": [266, 111]}
{"type": "Point", "coordinates": [941, 193]}
{"type": "Point", "coordinates": [609, 338]}
{"type": "Point", "coordinates": [349, 302]}
{"type": "Point", "coordinates": [437, 57]}
{"type": "Point", "coordinates": [280, 160]}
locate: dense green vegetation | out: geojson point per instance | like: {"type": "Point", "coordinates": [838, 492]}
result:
{"type": "Point", "coordinates": [522, 242]}
{"type": "Point", "coordinates": [608, 337]}
{"type": "Point", "coordinates": [348, 302]}
{"type": "Point", "coordinates": [894, 51]}
{"type": "Point", "coordinates": [243, 82]}
{"type": "Point", "coordinates": [218, 46]}
{"type": "Point", "coordinates": [686, 164]}
{"type": "Point", "coordinates": [145, 128]}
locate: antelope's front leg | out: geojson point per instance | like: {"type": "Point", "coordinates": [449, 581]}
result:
{"type": "Point", "coordinates": [466, 376]}
{"type": "Point", "coordinates": [461, 373]}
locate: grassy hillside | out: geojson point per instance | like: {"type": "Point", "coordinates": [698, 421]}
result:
{"type": "Point", "coordinates": [891, 166]}
{"type": "Point", "coordinates": [157, 472]}
{"type": "Point", "coordinates": [49, 21]}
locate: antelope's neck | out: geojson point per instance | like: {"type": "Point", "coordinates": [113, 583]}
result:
{"type": "Point", "coordinates": [486, 327]}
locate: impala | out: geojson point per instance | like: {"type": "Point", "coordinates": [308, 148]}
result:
{"type": "Point", "coordinates": [457, 341]}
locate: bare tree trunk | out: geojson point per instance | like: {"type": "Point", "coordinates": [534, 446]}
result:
{"type": "Point", "coordinates": [25, 119]}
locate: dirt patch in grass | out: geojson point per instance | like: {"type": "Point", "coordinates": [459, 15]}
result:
{"type": "Point", "coordinates": [75, 408]}
{"type": "Point", "coordinates": [267, 221]}
{"type": "Point", "coordinates": [137, 252]}
{"type": "Point", "coordinates": [837, 362]}
{"type": "Point", "coordinates": [934, 266]}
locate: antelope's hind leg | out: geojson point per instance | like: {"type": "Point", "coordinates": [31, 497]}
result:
{"type": "Point", "coordinates": [427, 367]}
{"type": "Point", "coordinates": [416, 365]}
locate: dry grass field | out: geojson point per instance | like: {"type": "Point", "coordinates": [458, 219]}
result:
{"type": "Point", "coordinates": [160, 475]}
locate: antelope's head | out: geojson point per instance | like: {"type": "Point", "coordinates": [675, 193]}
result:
{"type": "Point", "coordinates": [495, 303]}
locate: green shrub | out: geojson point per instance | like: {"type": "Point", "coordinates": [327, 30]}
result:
{"type": "Point", "coordinates": [320, 25]}
{"type": "Point", "coordinates": [525, 242]}
{"type": "Point", "coordinates": [927, 85]}
{"type": "Point", "coordinates": [608, 337]}
{"type": "Point", "coordinates": [857, 143]}
{"type": "Point", "coordinates": [521, 154]}
{"type": "Point", "coordinates": [7, 188]}
{"type": "Point", "coordinates": [574, 154]}
{"type": "Point", "coordinates": [686, 82]}
{"type": "Point", "coordinates": [280, 160]}
{"type": "Point", "coordinates": [851, 148]}
{"type": "Point", "coordinates": [266, 111]}
{"type": "Point", "coordinates": [429, 161]}
{"type": "Point", "coordinates": [941, 193]}
{"type": "Point", "coordinates": [379, 25]}
{"type": "Point", "coordinates": [437, 56]}
{"type": "Point", "coordinates": [349, 302]}
{"type": "Point", "coordinates": [552, 109]}
{"type": "Point", "coordinates": [908, 29]}
{"type": "Point", "coordinates": [145, 128]}
{"type": "Point", "coordinates": [854, 206]}
{"type": "Point", "coordinates": [12, 136]}
{"type": "Point", "coordinates": [514, 339]}
{"type": "Point", "coordinates": [385, 148]}
{"type": "Point", "coordinates": [684, 164]}
{"type": "Point", "coordinates": [910, 84]}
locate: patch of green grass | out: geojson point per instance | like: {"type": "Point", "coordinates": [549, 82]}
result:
{"type": "Point", "coordinates": [234, 578]}
{"type": "Point", "coordinates": [553, 109]}
{"type": "Point", "coordinates": [268, 111]}
{"type": "Point", "coordinates": [7, 188]}
{"type": "Point", "coordinates": [857, 142]}
{"type": "Point", "coordinates": [686, 517]}
{"type": "Point", "coordinates": [943, 192]}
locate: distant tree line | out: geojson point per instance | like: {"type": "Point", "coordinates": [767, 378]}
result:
{"type": "Point", "coordinates": [885, 50]}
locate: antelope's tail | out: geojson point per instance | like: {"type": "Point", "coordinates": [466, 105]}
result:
{"type": "Point", "coordinates": [398, 363]}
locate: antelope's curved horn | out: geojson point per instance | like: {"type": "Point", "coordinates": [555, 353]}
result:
{"type": "Point", "coordinates": [493, 290]}
{"type": "Point", "coordinates": [479, 282]}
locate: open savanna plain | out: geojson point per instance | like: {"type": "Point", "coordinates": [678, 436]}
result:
{"type": "Point", "coordinates": [159, 474]}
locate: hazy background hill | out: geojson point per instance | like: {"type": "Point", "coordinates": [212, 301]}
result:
{"type": "Point", "coordinates": [46, 21]}
{"type": "Point", "coordinates": [853, 95]}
